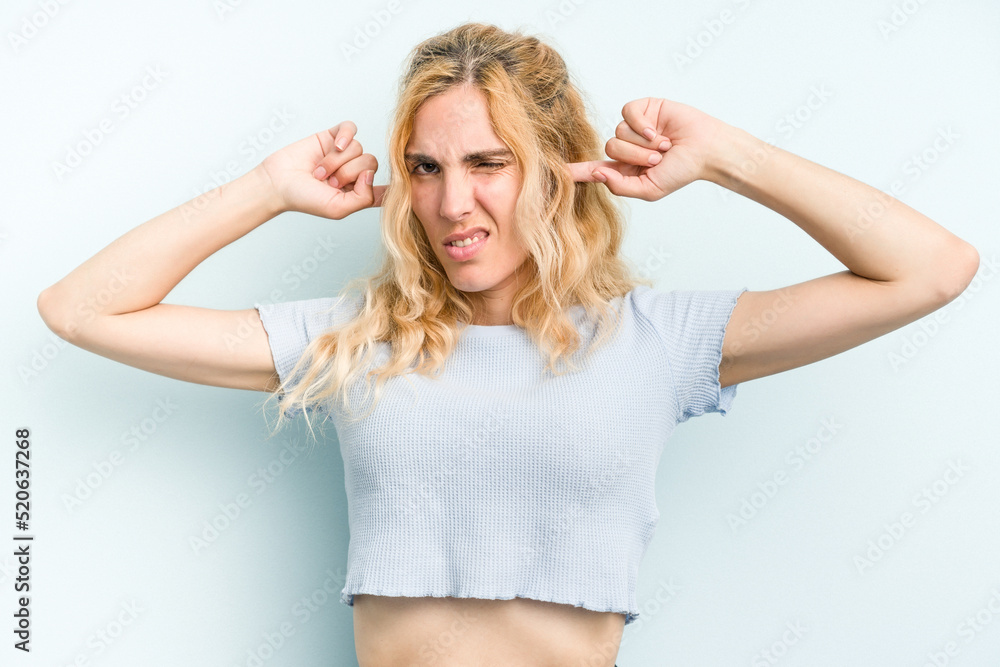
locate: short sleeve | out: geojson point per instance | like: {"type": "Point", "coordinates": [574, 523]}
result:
{"type": "Point", "coordinates": [692, 325]}
{"type": "Point", "coordinates": [291, 325]}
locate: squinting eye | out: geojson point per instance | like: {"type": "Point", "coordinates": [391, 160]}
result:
{"type": "Point", "coordinates": [490, 165]}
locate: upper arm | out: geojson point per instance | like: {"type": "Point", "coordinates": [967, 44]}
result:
{"type": "Point", "coordinates": [223, 348]}
{"type": "Point", "coordinates": [776, 330]}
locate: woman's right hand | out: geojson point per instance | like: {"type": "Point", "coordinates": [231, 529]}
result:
{"type": "Point", "coordinates": [302, 174]}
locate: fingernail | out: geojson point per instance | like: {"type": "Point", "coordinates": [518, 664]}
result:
{"type": "Point", "coordinates": [320, 172]}
{"type": "Point", "coordinates": [369, 177]}
{"type": "Point", "coordinates": [334, 182]}
{"type": "Point", "coordinates": [599, 176]}
{"type": "Point", "coordinates": [339, 144]}
{"type": "Point", "coordinates": [664, 145]}
{"type": "Point", "coordinates": [648, 133]}
{"type": "Point", "coordinates": [654, 158]}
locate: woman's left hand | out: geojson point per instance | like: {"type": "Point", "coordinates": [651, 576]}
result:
{"type": "Point", "coordinates": [684, 141]}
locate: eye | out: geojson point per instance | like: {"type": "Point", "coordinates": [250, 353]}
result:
{"type": "Point", "coordinates": [488, 165]}
{"type": "Point", "coordinates": [422, 164]}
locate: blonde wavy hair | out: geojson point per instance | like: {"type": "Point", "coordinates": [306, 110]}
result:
{"type": "Point", "coordinates": [571, 231]}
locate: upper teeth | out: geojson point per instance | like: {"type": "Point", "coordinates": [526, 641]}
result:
{"type": "Point", "coordinates": [466, 242]}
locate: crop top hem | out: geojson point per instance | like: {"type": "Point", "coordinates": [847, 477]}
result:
{"type": "Point", "coordinates": [348, 599]}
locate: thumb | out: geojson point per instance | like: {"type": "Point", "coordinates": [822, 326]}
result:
{"type": "Point", "coordinates": [612, 178]}
{"type": "Point", "coordinates": [362, 195]}
{"type": "Point", "coordinates": [624, 185]}
{"type": "Point", "coordinates": [372, 194]}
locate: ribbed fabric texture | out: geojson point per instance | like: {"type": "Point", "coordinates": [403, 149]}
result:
{"type": "Point", "coordinates": [496, 481]}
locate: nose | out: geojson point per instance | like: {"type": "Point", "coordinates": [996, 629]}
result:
{"type": "Point", "coordinates": [458, 199]}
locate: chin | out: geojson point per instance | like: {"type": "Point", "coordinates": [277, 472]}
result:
{"type": "Point", "coordinates": [470, 281]}
{"type": "Point", "coordinates": [468, 285]}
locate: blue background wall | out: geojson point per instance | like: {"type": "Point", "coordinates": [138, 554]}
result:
{"type": "Point", "coordinates": [886, 92]}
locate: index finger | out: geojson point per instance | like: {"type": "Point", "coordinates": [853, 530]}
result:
{"type": "Point", "coordinates": [583, 172]}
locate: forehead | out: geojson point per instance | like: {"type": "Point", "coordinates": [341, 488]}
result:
{"type": "Point", "coordinates": [451, 125]}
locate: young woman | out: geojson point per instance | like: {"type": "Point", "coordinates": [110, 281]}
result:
{"type": "Point", "coordinates": [503, 388]}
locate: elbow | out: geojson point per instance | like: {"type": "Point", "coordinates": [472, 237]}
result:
{"type": "Point", "coordinates": [49, 310]}
{"type": "Point", "coordinates": [45, 310]}
{"type": "Point", "coordinates": [958, 270]}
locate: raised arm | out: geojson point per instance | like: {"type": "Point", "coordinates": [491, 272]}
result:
{"type": "Point", "coordinates": [111, 304]}
{"type": "Point", "coordinates": [901, 264]}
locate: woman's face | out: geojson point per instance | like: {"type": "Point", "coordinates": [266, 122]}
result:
{"type": "Point", "coordinates": [465, 181]}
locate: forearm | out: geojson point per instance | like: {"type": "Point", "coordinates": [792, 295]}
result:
{"type": "Point", "coordinates": [139, 269]}
{"type": "Point", "coordinates": [873, 234]}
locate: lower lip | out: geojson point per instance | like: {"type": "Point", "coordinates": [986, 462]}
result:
{"type": "Point", "coordinates": [466, 252]}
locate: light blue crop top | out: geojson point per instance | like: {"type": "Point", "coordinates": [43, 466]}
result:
{"type": "Point", "coordinates": [492, 482]}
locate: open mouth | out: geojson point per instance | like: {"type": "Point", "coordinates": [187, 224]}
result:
{"type": "Point", "coordinates": [472, 247]}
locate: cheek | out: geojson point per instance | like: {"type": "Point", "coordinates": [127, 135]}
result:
{"type": "Point", "coordinates": [418, 197]}
{"type": "Point", "coordinates": [502, 198]}
{"type": "Point", "coordinates": [422, 203]}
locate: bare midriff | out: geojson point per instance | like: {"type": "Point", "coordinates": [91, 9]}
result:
{"type": "Point", "coordinates": [469, 632]}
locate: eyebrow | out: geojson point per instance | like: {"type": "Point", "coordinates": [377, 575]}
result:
{"type": "Point", "coordinates": [470, 158]}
